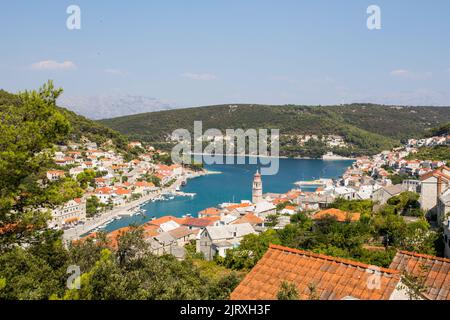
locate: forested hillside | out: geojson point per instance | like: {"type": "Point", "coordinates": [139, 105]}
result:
{"type": "Point", "coordinates": [366, 128]}
{"type": "Point", "coordinates": [79, 125]}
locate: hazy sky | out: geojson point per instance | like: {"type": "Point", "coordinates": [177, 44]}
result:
{"type": "Point", "coordinates": [201, 52]}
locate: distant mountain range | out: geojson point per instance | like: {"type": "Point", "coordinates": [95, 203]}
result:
{"type": "Point", "coordinates": [110, 106]}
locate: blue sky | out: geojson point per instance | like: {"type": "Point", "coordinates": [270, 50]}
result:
{"type": "Point", "coordinates": [202, 52]}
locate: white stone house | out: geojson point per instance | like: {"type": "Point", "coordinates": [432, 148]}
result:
{"type": "Point", "coordinates": [70, 213]}
{"type": "Point", "coordinates": [382, 195]}
{"type": "Point", "coordinates": [54, 175]}
{"type": "Point", "coordinates": [265, 208]}
{"type": "Point", "coordinates": [443, 207]}
{"type": "Point", "coordinates": [217, 240]}
{"type": "Point", "coordinates": [432, 185]}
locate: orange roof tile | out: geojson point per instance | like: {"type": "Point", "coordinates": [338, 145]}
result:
{"type": "Point", "coordinates": [435, 270]}
{"type": "Point", "coordinates": [164, 219]}
{"type": "Point", "coordinates": [144, 184]}
{"type": "Point", "coordinates": [150, 230]}
{"type": "Point", "coordinates": [181, 232]}
{"type": "Point", "coordinates": [9, 228]}
{"type": "Point", "coordinates": [249, 218]}
{"type": "Point", "coordinates": [121, 191]}
{"type": "Point", "coordinates": [333, 278]}
{"type": "Point", "coordinates": [436, 173]}
{"type": "Point", "coordinates": [105, 190]}
{"type": "Point", "coordinates": [113, 237]}
{"type": "Point", "coordinates": [56, 172]}
{"type": "Point", "coordinates": [280, 200]}
{"type": "Point", "coordinates": [210, 212]}
{"type": "Point", "coordinates": [239, 205]}
{"type": "Point", "coordinates": [198, 222]}
{"type": "Point", "coordinates": [338, 214]}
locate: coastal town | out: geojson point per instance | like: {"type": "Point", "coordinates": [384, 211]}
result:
{"type": "Point", "coordinates": [224, 159]}
{"type": "Point", "coordinates": [118, 188]}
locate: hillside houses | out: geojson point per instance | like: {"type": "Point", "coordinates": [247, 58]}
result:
{"type": "Point", "coordinates": [54, 175]}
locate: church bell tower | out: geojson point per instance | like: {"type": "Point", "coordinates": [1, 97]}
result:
{"type": "Point", "coordinates": [257, 188]}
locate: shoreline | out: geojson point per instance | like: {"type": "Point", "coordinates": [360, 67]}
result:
{"type": "Point", "coordinates": [337, 158]}
{"type": "Point", "coordinates": [128, 209]}
{"type": "Point", "coordinates": [116, 213]}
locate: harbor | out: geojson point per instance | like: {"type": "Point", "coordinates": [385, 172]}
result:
{"type": "Point", "coordinates": [135, 208]}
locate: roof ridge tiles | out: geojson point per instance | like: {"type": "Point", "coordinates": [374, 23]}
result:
{"type": "Point", "coordinates": [335, 259]}
{"type": "Point", "coordinates": [425, 256]}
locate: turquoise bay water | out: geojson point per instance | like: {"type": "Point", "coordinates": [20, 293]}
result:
{"type": "Point", "coordinates": [233, 185]}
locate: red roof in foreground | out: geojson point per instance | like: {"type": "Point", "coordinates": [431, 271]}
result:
{"type": "Point", "coordinates": [434, 270]}
{"type": "Point", "coordinates": [333, 278]}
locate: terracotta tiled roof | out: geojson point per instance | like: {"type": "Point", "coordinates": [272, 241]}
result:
{"type": "Point", "coordinates": [333, 278]}
{"type": "Point", "coordinates": [436, 173]}
{"type": "Point", "coordinates": [180, 232]}
{"type": "Point", "coordinates": [56, 172]}
{"type": "Point", "coordinates": [144, 184]}
{"type": "Point", "coordinates": [249, 218]}
{"type": "Point", "coordinates": [8, 228]}
{"type": "Point", "coordinates": [197, 222]}
{"type": "Point", "coordinates": [164, 219]}
{"type": "Point", "coordinates": [212, 219]}
{"type": "Point", "coordinates": [150, 230]}
{"type": "Point", "coordinates": [280, 200]}
{"type": "Point", "coordinates": [113, 237]}
{"type": "Point", "coordinates": [239, 205]}
{"type": "Point", "coordinates": [292, 195]}
{"type": "Point", "coordinates": [103, 190]}
{"type": "Point", "coordinates": [435, 270]}
{"type": "Point", "coordinates": [340, 215]}
{"type": "Point", "coordinates": [210, 212]}
{"type": "Point", "coordinates": [121, 191]}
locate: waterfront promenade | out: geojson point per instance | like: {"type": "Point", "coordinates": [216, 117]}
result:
{"type": "Point", "coordinates": [126, 209]}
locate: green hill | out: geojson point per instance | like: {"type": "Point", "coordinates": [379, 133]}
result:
{"type": "Point", "coordinates": [80, 126]}
{"type": "Point", "coordinates": [367, 128]}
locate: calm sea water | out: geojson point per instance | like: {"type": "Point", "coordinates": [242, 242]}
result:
{"type": "Point", "coordinates": [233, 185]}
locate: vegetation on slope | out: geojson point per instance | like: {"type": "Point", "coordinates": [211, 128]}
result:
{"type": "Point", "coordinates": [436, 153]}
{"type": "Point", "coordinates": [33, 260]}
{"type": "Point", "coordinates": [367, 128]}
{"type": "Point", "coordinates": [373, 240]}
{"type": "Point", "coordinates": [440, 131]}
{"type": "Point", "coordinates": [79, 125]}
